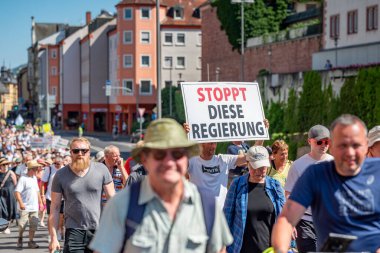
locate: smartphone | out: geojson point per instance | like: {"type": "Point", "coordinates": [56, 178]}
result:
{"type": "Point", "coordinates": [337, 242]}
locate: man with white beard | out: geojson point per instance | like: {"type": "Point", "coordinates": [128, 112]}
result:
{"type": "Point", "coordinates": [81, 184]}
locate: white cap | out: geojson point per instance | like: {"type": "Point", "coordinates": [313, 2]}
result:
{"type": "Point", "coordinates": [373, 136]}
{"type": "Point", "coordinates": [258, 157]}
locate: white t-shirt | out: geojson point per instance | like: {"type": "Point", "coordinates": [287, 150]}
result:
{"type": "Point", "coordinates": [28, 188]}
{"type": "Point", "coordinates": [45, 178]}
{"type": "Point", "coordinates": [297, 169]}
{"type": "Point", "coordinates": [212, 174]}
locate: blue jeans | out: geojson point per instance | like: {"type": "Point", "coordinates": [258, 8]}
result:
{"type": "Point", "coordinates": [77, 240]}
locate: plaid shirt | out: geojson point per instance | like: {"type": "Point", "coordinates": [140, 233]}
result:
{"type": "Point", "coordinates": [235, 206]}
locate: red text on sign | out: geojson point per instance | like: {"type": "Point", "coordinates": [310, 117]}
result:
{"type": "Point", "coordinates": [221, 94]}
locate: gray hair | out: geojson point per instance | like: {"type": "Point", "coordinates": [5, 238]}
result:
{"type": "Point", "coordinates": [347, 120]}
{"type": "Point", "coordinates": [109, 149]}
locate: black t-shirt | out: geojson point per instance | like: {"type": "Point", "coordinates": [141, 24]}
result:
{"type": "Point", "coordinates": [260, 220]}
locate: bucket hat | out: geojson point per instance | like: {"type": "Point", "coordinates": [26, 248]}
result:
{"type": "Point", "coordinates": [165, 133]}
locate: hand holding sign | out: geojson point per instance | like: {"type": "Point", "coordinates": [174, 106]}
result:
{"type": "Point", "coordinates": [224, 111]}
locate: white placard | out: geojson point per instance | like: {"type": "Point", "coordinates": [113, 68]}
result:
{"type": "Point", "coordinates": [224, 111]}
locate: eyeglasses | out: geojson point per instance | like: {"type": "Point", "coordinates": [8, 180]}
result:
{"type": "Point", "coordinates": [57, 163]}
{"type": "Point", "coordinates": [160, 154]}
{"type": "Point", "coordinates": [77, 150]}
{"type": "Point", "coordinates": [320, 142]}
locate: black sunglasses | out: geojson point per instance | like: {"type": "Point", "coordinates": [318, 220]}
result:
{"type": "Point", "coordinates": [77, 150]}
{"type": "Point", "coordinates": [160, 154]}
{"type": "Point", "coordinates": [326, 142]}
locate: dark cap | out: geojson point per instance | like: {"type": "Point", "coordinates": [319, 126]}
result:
{"type": "Point", "coordinates": [319, 132]}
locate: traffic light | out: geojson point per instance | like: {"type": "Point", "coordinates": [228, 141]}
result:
{"type": "Point", "coordinates": [15, 108]}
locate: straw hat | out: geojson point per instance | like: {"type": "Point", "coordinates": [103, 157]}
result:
{"type": "Point", "coordinates": [33, 164]}
{"type": "Point", "coordinates": [165, 134]}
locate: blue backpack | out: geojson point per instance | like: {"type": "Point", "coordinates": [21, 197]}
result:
{"type": "Point", "coordinates": [135, 212]}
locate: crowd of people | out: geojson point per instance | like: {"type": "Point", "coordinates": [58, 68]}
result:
{"type": "Point", "coordinates": [176, 195]}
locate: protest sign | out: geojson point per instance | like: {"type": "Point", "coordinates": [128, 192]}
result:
{"type": "Point", "coordinates": [224, 111]}
{"type": "Point", "coordinates": [41, 142]}
{"type": "Point", "coordinates": [59, 142]}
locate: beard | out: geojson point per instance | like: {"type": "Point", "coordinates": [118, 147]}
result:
{"type": "Point", "coordinates": [80, 163]}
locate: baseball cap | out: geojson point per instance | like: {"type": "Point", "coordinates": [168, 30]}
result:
{"type": "Point", "coordinates": [258, 157]}
{"type": "Point", "coordinates": [373, 136]}
{"type": "Point", "coordinates": [319, 132]}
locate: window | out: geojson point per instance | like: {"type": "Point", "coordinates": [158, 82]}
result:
{"type": "Point", "coordinates": [334, 26]}
{"type": "Point", "coordinates": [199, 39]}
{"type": "Point", "coordinates": [180, 62]}
{"type": "Point", "coordinates": [180, 38]}
{"type": "Point", "coordinates": [145, 13]}
{"type": "Point", "coordinates": [145, 61]}
{"type": "Point", "coordinates": [128, 37]}
{"type": "Point", "coordinates": [128, 61]}
{"type": "Point", "coordinates": [145, 87]}
{"type": "Point", "coordinates": [54, 53]}
{"type": "Point", "coordinates": [199, 63]}
{"type": "Point", "coordinates": [53, 71]}
{"type": "Point", "coordinates": [168, 38]}
{"type": "Point", "coordinates": [178, 12]}
{"type": "Point", "coordinates": [128, 14]}
{"type": "Point", "coordinates": [127, 87]}
{"type": "Point", "coordinates": [145, 37]}
{"type": "Point", "coordinates": [168, 62]}
{"type": "Point", "coordinates": [372, 18]}
{"type": "Point", "coordinates": [352, 22]}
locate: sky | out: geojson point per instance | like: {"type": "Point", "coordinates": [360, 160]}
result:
{"type": "Point", "coordinates": [15, 22]}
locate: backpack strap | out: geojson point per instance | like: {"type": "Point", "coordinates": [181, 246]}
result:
{"type": "Point", "coordinates": [135, 213]}
{"type": "Point", "coordinates": [5, 179]}
{"type": "Point", "coordinates": [208, 206]}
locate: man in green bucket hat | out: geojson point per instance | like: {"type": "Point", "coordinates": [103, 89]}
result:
{"type": "Point", "coordinates": [173, 214]}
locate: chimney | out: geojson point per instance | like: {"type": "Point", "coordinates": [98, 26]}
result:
{"type": "Point", "coordinates": [88, 17]}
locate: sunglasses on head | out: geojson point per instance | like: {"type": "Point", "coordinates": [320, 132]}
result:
{"type": "Point", "coordinates": [77, 150]}
{"type": "Point", "coordinates": [320, 142]}
{"type": "Point", "coordinates": [160, 154]}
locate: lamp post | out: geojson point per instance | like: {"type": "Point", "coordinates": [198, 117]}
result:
{"type": "Point", "coordinates": [170, 91]}
{"type": "Point", "coordinates": [242, 34]}
{"type": "Point", "coordinates": [158, 60]}
{"type": "Point", "coordinates": [336, 38]}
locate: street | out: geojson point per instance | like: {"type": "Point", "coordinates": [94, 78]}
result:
{"type": "Point", "coordinates": [98, 142]}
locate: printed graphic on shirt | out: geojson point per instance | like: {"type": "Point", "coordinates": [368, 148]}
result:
{"type": "Point", "coordinates": [358, 203]}
{"type": "Point", "coordinates": [211, 170]}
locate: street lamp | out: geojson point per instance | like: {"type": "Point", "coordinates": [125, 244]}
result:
{"type": "Point", "coordinates": [170, 90]}
{"type": "Point", "coordinates": [336, 38]}
{"type": "Point", "coordinates": [242, 35]}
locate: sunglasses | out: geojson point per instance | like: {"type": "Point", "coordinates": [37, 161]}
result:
{"type": "Point", "coordinates": [77, 150]}
{"type": "Point", "coordinates": [326, 142]}
{"type": "Point", "coordinates": [160, 154]}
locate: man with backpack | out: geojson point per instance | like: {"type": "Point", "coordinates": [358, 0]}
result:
{"type": "Point", "coordinates": [164, 212]}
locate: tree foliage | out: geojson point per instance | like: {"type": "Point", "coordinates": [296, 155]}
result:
{"type": "Point", "coordinates": [261, 17]}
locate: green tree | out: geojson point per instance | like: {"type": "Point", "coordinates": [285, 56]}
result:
{"type": "Point", "coordinates": [290, 115]}
{"type": "Point", "coordinates": [261, 17]}
{"type": "Point", "coordinates": [310, 103]}
{"type": "Point", "coordinates": [348, 97]}
{"type": "Point", "coordinates": [275, 116]}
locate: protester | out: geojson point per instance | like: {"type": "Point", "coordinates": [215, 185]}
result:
{"type": "Point", "coordinates": [81, 184]}
{"type": "Point", "coordinates": [253, 202]}
{"type": "Point", "coordinates": [8, 181]}
{"type": "Point", "coordinates": [29, 200]}
{"type": "Point", "coordinates": [374, 142]}
{"type": "Point", "coordinates": [281, 164]}
{"type": "Point", "coordinates": [319, 141]}
{"type": "Point", "coordinates": [47, 180]}
{"type": "Point", "coordinates": [343, 193]}
{"type": "Point", "coordinates": [172, 215]}
{"type": "Point", "coordinates": [114, 163]}
{"type": "Point", "coordinates": [235, 148]}
{"type": "Point", "coordinates": [22, 169]}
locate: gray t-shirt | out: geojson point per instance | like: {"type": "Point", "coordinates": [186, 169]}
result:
{"type": "Point", "coordinates": [82, 194]}
{"type": "Point", "coordinates": [298, 168]}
